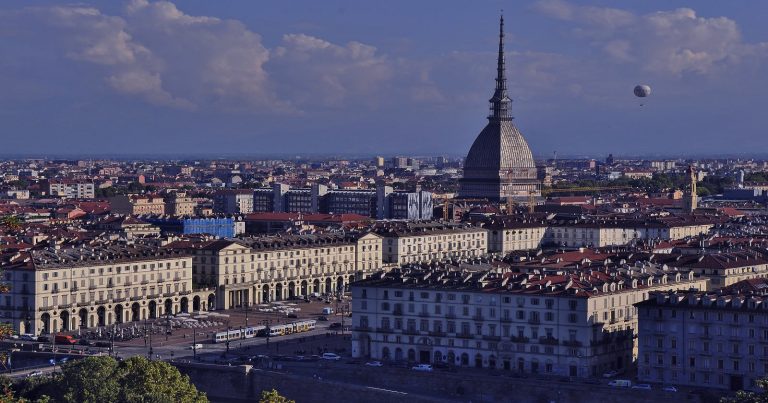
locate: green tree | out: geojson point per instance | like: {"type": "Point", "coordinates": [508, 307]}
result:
{"type": "Point", "coordinates": [144, 381]}
{"type": "Point", "coordinates": [103, 379]}
{"type": "Point", "coordinates": [90, 380]}
{"type": "Point", "coordinates": [743, 396]}
{"type": "Point", "coordinates": [272, 396]}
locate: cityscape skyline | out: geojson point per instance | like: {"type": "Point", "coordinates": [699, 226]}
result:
{"type": "Point", "coordinates": [293, 68]}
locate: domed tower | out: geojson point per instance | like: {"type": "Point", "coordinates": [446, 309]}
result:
{"type": "Point", "coordinates": [499, 164]}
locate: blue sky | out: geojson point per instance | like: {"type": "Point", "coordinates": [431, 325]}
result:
{"type": "Point", "coordinates": [394, 77]}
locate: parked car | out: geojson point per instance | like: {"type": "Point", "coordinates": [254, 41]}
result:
{"type": "Point", "coordinates": [335, 325]}
{"type": "Point", "coordinates": [292, 315]}
{"type": "Point", "coordinates": [323, 318]}
{"type": "Point", "coordinates": [43, 339]}
{"type": "Point", "coordinates": [610, 374]}
{"type": "Point", "coordinates": [65, 339]}
{"type": "Point", "coordinates": [27, 337]}
{"type": "Point", "coordinates": [422, 367]}
{"type": "Point", "coordinates": [642, 386]}
{"type": "Point", "coordinates": [374, 364]}
{"type": "Point", "coordinates": [196, 346]}
{"type": "Point", "coordinates": [34, 373]}
{"type": "Point", "coordinates": [331, 356]}
{"type": "Point", "coordinates": [669, 388]}
{"type": "Point", "coordinates": [102, 343]}
{"type": "Point", "coordinates": [620, 383]}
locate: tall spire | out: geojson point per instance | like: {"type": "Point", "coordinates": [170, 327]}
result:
{"type": "Point", "coordinates": [500, 102]}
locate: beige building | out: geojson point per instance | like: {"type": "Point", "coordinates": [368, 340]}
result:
{"type": "Point", "coordinates": [578, 323]}
{"type": "Point", "coordinates": [137, 204]}
{"type": "Point", "coordinates": [511, 236]}
{"type": "Point", "coordinates": [69, 189]}
{"type": "Point", "coordinates": [178, 204]}
{"type": "Point", "coordinates": [56, 290]}
{"type": "Point", "coordinates": [273, 268]}
{"type": "Point", "coordinates": [425, 242]}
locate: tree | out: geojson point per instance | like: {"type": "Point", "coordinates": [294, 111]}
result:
{"type": "Point", "coordinates": [103, 379]}
{"type": "Point", "coordinates": [272, 396]}
{"type": "Point", "coordinates": [743, 396]}
{"type": "Point", "coordinates": [142, 380]}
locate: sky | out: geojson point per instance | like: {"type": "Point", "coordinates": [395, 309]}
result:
{"type": "Point", "coordinates": [351, 77]}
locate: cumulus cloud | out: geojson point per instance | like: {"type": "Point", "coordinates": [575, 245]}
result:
{"type": "Point", "coordinates": [156, 52]}
{"type": "Point", "coordinates": [670, 42]}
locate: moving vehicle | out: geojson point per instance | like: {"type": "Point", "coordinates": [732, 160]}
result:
{"type": "Point", "coordinates": [27, 337]}
{"type": "Point", "coordinates": [65, 339]}
{"type": "Point", "coordinates": [323, 319]}
{"type": "Point", "coordinates": [238, 334]}
{"type": "Point", "coordinates": [374, 364]}
{"type": "Point", "coordinates": [35, 373]}
{"type": "Point", "coordinates": [327, 311]}
{"type": "Point", "coordinates": [196, 346]}
{"type": "Point", "coordinates": [642, 386]}
{"type": "Point", "coordinates": [670, 388]}
{"type": "Point", "coordinates": [620, 383]}
{"type": "Point", "coordinates": [331, 356]}
{"type": "Point", "coordinates": [422, 367]}
{"type": "Point", "coordinates": [335, 325]}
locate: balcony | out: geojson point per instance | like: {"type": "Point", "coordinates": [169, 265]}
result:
{"type": "Point", "coordinates": [127, 283]}
{"type": "Point", "coordinates": [478, 318]}
{"type": "Point", "coordinates": [410, 331]}
{"type": "Point", "coordinates": [91, 287]}
{"type": "Point", "coordinates": [362, 329]}
{"type": "Point", "coordinates": [519, 339]}
{"type": "Point", "coordinates": [424, 314]}
{"type": "Point", "coordinates": [144, 282]}
{"type": "Point", "coordinates": [492, 338]}
{"type": "Point", "coordinates": [177, 278]}
{"type": "Point", "coordinates": [397, 312]}
{"type": "Point", "coordinates": [465, 335]}
{"type": "Point", "coordinates": [65, 306]}
{"type": "Point", "coordinates": [118, 300]}
{"type": "Point", "coordinates": [169, 294]}
{"type": "Point", "coordinates": [73, 289]}
{"type": "Point", "coordinates": [136, 298]}
{"type": "Point", "coordinates": [55, 291]}
{"type": "Point", "coordinates": [450, 316]}
{"type": "Point", "coordinates": [80, 304]}
{"type": "Point", "coordinates": [46, 308]}
{"type": "Point", "coordinates": [384, 330]}
{"type": "Point", "coordinates": [110, 285]}
{"type": "Point", "coordinates": [102, 302]}
{"type": "Point", "coordinates": [534, 320]}
{"type": "Point", "coordinates": [506, 319]}
{"type": "Point", "coordinates": [437, 333]}
{"type": "Point", "coordinates": [548, 341]}
{"type": "Point", "coordinates": [572, 343]}
{"type": "Point", "coordinates": [187, 292]}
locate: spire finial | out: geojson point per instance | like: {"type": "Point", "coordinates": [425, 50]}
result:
{"type": "Point", "coordinates": [500, 103]}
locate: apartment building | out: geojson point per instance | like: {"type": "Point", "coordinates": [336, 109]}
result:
{"type": "Point", "coordinates": [430, 241]}
{"type": "Point", "coordinates": [137, 204]}
{"type": "Point", "coordinates": [69, 189]}
{"type": "Point", "coordinates": [705, 339]}
{"type": "Point", "coordinates": [508, 236]}
{"type": "Point", "coordinates": [56, 290]}
{"type": "Point", "coordinates": [272, 268]}
{"type": "Point", "coordinates": [237, 201]}
{"type": "Point", "coordinates": [577, 323]}
{"type": "Point", "coordinates": [179, 204]}
{"type": "Point", "coordinates": [600, 233]}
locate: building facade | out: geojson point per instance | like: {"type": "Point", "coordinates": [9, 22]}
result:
{"type": "Point", "coordinates": [137, 204]}
{"type": "Point", "coordinates": [233, 201]}
{"type": "Point", "coordinates": [430, 241]}
{"type": "Point", "coordinates": [72, 189]}
{"type": "Point", "coordinates": [55, 290]}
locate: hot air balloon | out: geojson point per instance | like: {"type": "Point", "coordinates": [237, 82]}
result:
{"type": "Point", "coordinates": [642, 91]}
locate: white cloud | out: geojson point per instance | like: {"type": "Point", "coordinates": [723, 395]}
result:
{"type": "Point", "coordinates": [666, 42]}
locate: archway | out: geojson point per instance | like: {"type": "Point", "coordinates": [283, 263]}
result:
{"type": "Point", "coordinates": [316, 286]}
{"type": "Point", "coordinates": [118, 313]}
{"type": "Point", "coordinates": [411, 355]}
{"type": "Point", "coordinates": [211, 301]}
{"type": "Point", "coordinates": [184, 304]}
{"type": "Point", "coordinates": [398, 354]}
{"type": "Point", "coordinates": [437, 357]}
{"type": "Point", "coordinates": [291, 290]}
{"type": "Point", "coordinates": [478, 361]}
{"type": "Point", "coordinates": [451, 358]}
{"type": "Point", "coordinates": [152, 309]}
{"type": "Point", "coordinates": [135, 312]}
{"type": "Point", "coordinates": [304, 291]}
{"type": "Point", "coordinates": [385, 353]}
{"type": "Point", "coordinates": [278, 292]}
{"type": "Point", "coordinates": [464, 359]}
{"type": "Point", "coordinates": [350, 281]}
{"type": "Point", "coordinates": [328, 285]}
{"type": "Point", "coordinates": [46, 323]}
{"type": "Point", "coordinates": [196, 303]}
{"type": "Point", "coordinates": [101, 314]}
{"type": "Point", "coordinates": [64, 321]}
{"type": "Point", "coordinates": [168, 307]}
{"type": "Point", "coordinates": [265, 293]}
{"type": "Point", "coordinates": [340, 284]}
{"type": "Point", "coordinates": [83, 314]}
{"type": "Point", "coordinates": [492, 361]}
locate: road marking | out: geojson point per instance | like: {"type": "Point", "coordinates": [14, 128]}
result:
{"type": "Point", "coordinates": [387, 390]}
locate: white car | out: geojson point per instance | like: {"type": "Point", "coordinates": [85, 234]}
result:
{"type": "Point", "coordinates": [331, 356]}
{"type": "Point", "coordinates": [422, 367]}
{"type": "Point", "coordinates": [670, 389]}
{"type": "Point", "coordinates": [642, 386]}
{"type": "Point", "coordinates": [35, 373]}
{"type": "Point", "coordinates": [374, 364]}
